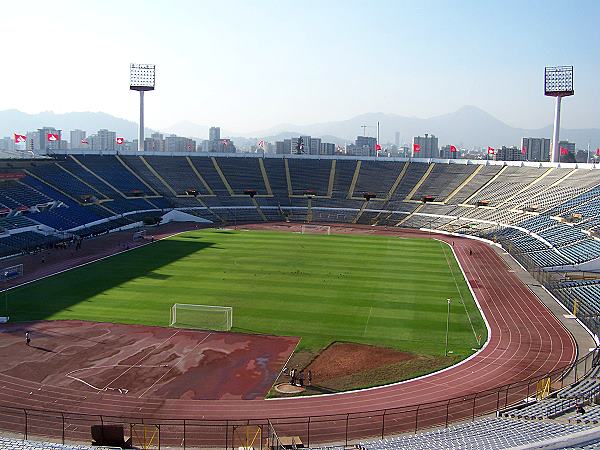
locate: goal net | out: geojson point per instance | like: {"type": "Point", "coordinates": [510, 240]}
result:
{"type": "Point", "coordinates": [319, 229]}
{"type": "Point", "coordinates": [9, 273]}
{"type": "Point", "coordinates": [203, 317]}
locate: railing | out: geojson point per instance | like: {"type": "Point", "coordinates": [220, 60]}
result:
{"type": "Point", "coordinates": [314, 430]}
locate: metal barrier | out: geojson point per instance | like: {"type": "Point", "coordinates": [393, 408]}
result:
{"type": "Point", "coordinates": [342, 428]}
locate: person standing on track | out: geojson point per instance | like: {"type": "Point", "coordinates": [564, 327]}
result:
{"type": "Point", "coordinates": [27, 338]}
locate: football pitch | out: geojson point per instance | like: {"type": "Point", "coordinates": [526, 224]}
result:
{"type": "Point", "coordinates": [379, 290]}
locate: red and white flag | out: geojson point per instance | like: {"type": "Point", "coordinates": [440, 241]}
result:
{"type": "Point", "coordinates": [261, 144]}
{"type": "Point", "coordinates": [20, 138]}
{"type": "Point", "coordinates": [564, 151]}
{"type": "Point", "coordinates": [491, 151]}
{"type": "Point", "coordinates": [52, 137]}
{"type": "Point", "coordinates": [523, 150]}
{"type": "Point", "coordinates": [84, 142]}
{"type": "Point", "coordinates": [120, 140]}
{"type": "Point", "coordinates": [377, 147]}
{"type": "Point", "coordinates": [598, 152]}
{"type": "Point", "coordinates": [453, 149]}
{"type": "Point", "coordinates": [416, 148]}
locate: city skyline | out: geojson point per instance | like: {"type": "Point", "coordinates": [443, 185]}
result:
{"type": "Point", "coordinates": [249, 67]}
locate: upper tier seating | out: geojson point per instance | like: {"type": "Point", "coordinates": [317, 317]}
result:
{"type": "Point", "coordinates": [176, 172]}
{"type": "Point", "coordinates": [377, 177]}
{"type": "Point", "coordinates": [116, 175]}
{"type": "Point", "coordinates": [309, 175]}
{"type": "Point", "coordinates": [443, 179]}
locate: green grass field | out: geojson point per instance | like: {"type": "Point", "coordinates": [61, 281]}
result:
{"type": "Point", "coordinates": [380, 290]}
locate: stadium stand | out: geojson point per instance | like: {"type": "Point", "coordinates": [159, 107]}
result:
{"type": "Point", "coordinates": [548, 213]}
{"type": "Point", "coordinates": [492, 433]}
{"type": "Point", "coordinates": [18, 444]}
{"type": "Point", "coordinates": [177, 173]}
{"type": "Point", "coordinates": [111, 171]}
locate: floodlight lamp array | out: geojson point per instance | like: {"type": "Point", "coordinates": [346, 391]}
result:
{"type": "Point", "coordinates": [141, 77]}
{"type": "Point", "coordinates": [558, 81]}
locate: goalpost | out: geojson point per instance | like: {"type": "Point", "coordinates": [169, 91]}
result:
{"type": "Point", "coordinates": [320, 229]}
{"type": "Point", "coordinates": [203, 317]}
{"type": "Point", "coordinates": [9, 273]}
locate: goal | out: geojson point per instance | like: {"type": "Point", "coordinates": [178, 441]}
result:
{"type": "Point", "coordinates": [319, 229]}
{"type": "Point", "coordinates": [202, 317]}
{"type": "Point", "coordinates": [9, 273]}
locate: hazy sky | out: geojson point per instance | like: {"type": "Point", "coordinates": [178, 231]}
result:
{"type": "Point", "coordinates": [248, 65]}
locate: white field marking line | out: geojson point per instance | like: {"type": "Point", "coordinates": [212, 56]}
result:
{"type": "Point", "coordinates": [460, 293]}
{"type": "Point", "coordinates": [287, 362]}
{"type": "Point", "coordinates": [93, 261]}
{"type": "Point", "coordinates": [182, 357]}
{"type": "Point", "coordinates": [142, 358]}
{"type": "Point", "coordinates": [367, 324]}
{"type": "Point", "coordinates": [70, 375]}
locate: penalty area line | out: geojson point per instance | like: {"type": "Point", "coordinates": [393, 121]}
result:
{"type": "Point", "coordinates": [459, 292]}
{"type": "Point", "coordinates": [367, 323]}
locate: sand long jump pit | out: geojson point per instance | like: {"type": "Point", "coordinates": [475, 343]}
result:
{"type": "Point", "coordinates": [144, 361]}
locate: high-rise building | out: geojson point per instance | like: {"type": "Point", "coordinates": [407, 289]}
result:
{"type": "Point", "coordinates": [32, 143]}
{"type": "Point", "coordinates": [155, 143]}
{"type": "Point", "coordinates": [76, 138]}
{"type": "Point", "coordinates": [397, 139]}
{"type": "Point", "coordinates": [103, 140]}
{"type": "Point", "coordinates": [327, 148]}
{"type": "Point", "coordinates": [363, 146]}
{"type": "Point", "coordinates": [7, 144]}
{"type": "Point", "coordinates": [315, 146]}
{"type": "Point", "coordinates": [305, 147]}
{"type": "Point", "coordinates": [282, 149]}
{"type": "Point", "coordinates": [214, 134]}
{"type": "Point", "coordinates": [38, 141]}
{"type": "Point", "coordinates": [570, 146]}
{"type": "Point", "coordinates": [179, 144]}
{"type": "Point", "coordinates": [536, 149]}
{"type": "Point", "coordinates": [428, 146]}
{"type": "Point", "coordinates": [445, 153]}
{"type": "Point", "coordinates": [508, 154]}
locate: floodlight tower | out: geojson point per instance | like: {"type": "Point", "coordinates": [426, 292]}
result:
{"type": "Point", "coordinates": [141, 79]}
{"type": "Point", "coordinates": [558, 82]}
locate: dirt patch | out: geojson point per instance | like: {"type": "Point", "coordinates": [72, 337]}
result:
{"type": "Point", "coordinates": [384, 374]}
{"type": "Point", "coordinates": [340, 359]}
{"type": "Point", "coordinates": [346, 366]}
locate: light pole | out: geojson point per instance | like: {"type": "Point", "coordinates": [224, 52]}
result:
{"type": "Point", "coordinates": [141, 79]}
{"type": "Point", "coordinates": [558, 82]}
{"type": "Point", "coordinates": [447, 328]}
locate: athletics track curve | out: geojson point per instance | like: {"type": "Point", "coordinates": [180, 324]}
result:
{"type": "Point", "coordinates": [525, 341]}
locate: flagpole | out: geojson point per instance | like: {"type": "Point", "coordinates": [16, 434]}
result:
{"type": "Point", "coordinates": [588, 155]}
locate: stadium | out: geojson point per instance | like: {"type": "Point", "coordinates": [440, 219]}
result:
{"type": "Point", "coordinates": [167, 298]}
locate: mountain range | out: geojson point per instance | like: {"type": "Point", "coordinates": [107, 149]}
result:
{"type": "Point", "coordinates": [467, 127]}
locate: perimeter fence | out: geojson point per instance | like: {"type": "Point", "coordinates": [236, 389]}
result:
{"type": "Point", "coordinates": [343, 429]}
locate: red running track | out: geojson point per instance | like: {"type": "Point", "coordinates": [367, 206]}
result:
{"type": "Point", "coordinates": [525, 341]}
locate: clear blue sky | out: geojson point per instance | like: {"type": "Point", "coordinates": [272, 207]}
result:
{"type": "Point", "coordinates": [248, 65]}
